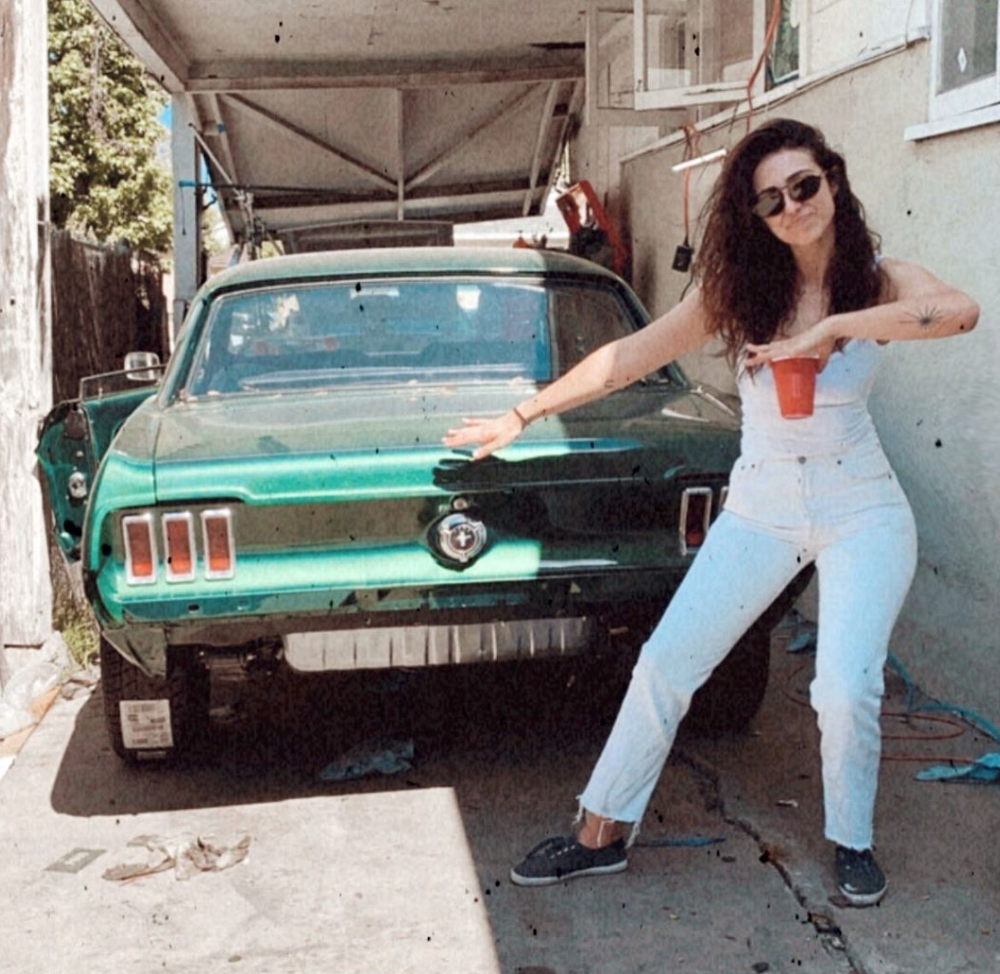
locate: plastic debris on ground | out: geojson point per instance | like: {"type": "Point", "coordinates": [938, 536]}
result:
{"type": "Point", "coordinates": [801, 632]}
{"type": "Point", "coordinates": [690, 841]}
{"type": "Point", "coordinates": [25, 685]}
{"type": "Point", "coordinates": [804, 639]}
{"type": "Point", "coordinates": [82, 681]}
{"type": "Point", "coordinates": [983, 771]}
{"type": "Point", "coordinates": [185, 854]}
{"type": "Point", "coordinates": [375, 756]}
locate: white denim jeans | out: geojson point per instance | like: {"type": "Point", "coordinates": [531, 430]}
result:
{"type": "Point", "coordinates": [848, 514]}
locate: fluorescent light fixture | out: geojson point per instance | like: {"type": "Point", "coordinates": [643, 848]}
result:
{"type": "Point", "coordinates": [699, 160]}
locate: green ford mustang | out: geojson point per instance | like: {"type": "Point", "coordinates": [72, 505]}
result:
{"type": "Point", "coordinates": [281, 491]}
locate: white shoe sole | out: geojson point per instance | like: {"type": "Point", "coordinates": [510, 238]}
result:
{"type": "Point", "coordinates": [862, 899]}
{"type": "Point", "coordinates": [615, 867]}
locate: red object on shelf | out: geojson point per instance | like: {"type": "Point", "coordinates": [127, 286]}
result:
{"type": "Point", "coordinates": [580, 207]}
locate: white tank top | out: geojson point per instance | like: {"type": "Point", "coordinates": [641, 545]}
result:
{"type": "Point", "coordinates": [840, 420]}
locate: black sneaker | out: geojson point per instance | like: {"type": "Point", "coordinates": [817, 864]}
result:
{"type": "Point", "coordinates": [859, 877]}
{"type": "Point", "coordinates": [562, 857]}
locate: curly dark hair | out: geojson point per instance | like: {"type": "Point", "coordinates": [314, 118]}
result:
{"type": "Point", "coordinates": [748, 277]}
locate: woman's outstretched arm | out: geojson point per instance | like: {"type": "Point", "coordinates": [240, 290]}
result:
{"type": "Point", "coordinates": [613, 366]}
{"type": "Point", "coordinates": [920, 306]}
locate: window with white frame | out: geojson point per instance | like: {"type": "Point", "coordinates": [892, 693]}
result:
{"type": "Point", "coordinates": [964, 65]}
{"type": "Point", "coordinates": [611, 69]}
{"type": "Point", "coordinates": [612, 86]}
{"type": "Point", "coordinates": [704, 52]}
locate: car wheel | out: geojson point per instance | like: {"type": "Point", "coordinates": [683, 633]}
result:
{"type": "Point", "coordinates": [735, 690]}
{"type": "Point", "coordinates": [138, 729]}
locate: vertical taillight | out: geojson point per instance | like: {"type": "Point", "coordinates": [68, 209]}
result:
{"type": "Point", "coordinates": [695, 516]}
{"type": "Point", "coordinates": [140, 548]}
{"type": "Point", "coordinates": [220, 554]}
{"type": "Point", "coordinates": [178, 545]}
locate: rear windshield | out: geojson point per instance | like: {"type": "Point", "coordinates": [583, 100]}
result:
{"type": "Point", "coordinates": [409, 332]}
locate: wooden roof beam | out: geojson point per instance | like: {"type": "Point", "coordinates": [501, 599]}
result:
{"type": "Point", "coordinates": [144, 34]}
{"type": "Point", "coordinates": [400, 156]}
{"type": "Point", "coordinates": [536, 157]}
{"type": "Point", "coordinates": [285, 127]}
{"type": "Point", "coordinates": [274, 197]}
{"type": "Point", "coordinates": [293, 215]}
{"type": "Point", "coordinates": [218, 133]}
{"type": "Point", "coordinates": [575, 108]}
{"type": "Point", "coordinates": [227, 76]}
{"type": "Point", "coordinates": [461, 142]}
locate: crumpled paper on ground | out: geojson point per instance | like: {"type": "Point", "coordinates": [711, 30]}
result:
{"type": "Point", "coordinates": [984, 770]}
{"type": "Point", "coordinates": [375, 756]}
{"type": "Point", "coordinates": [186, 854]}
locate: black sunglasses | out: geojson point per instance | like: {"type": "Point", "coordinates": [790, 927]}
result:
{"type": "Point", "coordinates": [771, 201]}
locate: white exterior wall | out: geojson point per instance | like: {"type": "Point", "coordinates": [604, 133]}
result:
{"type": "Point", "coordinates": [840, 30]}
{"type": "Point", "coordinates": [936, 404]}
{"type": "Point", "coordinates": [25, 329]}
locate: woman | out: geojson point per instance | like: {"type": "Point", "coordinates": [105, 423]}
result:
{"type": "Point", "coordinates": [787, 267]}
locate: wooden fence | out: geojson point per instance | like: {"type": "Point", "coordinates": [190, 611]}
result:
{"type": "Point", "coordinates": [105, 302]}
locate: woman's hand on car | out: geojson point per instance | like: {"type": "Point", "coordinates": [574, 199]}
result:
{"type": "Point", "coordinates": [491, 434]}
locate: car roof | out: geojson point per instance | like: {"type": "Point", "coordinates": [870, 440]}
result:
{"type": "Point", "coordinates": [379, 262]}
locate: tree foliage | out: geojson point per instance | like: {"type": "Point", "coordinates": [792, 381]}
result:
{"type": "Point", "coordinates": [105, 177]}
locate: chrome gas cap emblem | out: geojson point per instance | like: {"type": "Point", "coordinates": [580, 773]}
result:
{"type": "Point", "coordinates": [459, 537]}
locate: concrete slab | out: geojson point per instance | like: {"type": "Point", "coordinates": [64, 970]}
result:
{"type": "Point", "coordinates": [328, 885]}
{"type": "Point", "coordinates": [937, 842]}
{"type": "Point", "coordinates": [409, 873]}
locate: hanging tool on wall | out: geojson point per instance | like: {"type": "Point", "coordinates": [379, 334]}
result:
{"type": "Point", "coordinates": [592, 234]}
{"type": "Point", "coordinates": [684, 253]}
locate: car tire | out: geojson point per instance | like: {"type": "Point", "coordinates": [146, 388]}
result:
{"type": "Point", "coordinates": [186, 687]}
{"type": "Point", "coordinates": [734, 692]}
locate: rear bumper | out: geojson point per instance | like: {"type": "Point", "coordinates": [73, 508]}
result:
{"type": "Point", "coordinates": [436, 645]}
{"type": "Point", "coordinates": [404, 626]}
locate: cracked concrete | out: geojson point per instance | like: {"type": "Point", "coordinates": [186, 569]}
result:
{"type": "Point", "coordinates": [409, 873]}
{"type": "Point", "coordinates": [936, 842]}
{"type": "Point", "coordinates": [803, 883]}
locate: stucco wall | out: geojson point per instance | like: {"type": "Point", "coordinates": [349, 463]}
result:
{"type": "Point", "coordinates": [936, 404]}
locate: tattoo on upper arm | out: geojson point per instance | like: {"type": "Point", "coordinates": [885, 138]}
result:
{"type": "Point", "coordinates": [927, 317]}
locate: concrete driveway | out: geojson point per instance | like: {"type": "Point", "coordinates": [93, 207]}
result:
{"type": "Point", "coordinates": [408, 873]}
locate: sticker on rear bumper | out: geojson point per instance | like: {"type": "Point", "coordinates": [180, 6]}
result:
{"type": "Point", "coordinates": [146, 724]}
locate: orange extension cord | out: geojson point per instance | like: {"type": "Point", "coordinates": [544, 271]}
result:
{"type": "Point", "coordinates": [958, 728]}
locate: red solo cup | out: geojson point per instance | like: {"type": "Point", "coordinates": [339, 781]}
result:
{"type": "Point", "coordinates": [795, 380]}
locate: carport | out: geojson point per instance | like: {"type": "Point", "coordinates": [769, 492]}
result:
{"type": "Point", "coordinates": [331, 125]}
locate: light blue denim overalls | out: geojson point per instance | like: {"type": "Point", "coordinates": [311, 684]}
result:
{"type": "Point", "coordinates": [816, 489]}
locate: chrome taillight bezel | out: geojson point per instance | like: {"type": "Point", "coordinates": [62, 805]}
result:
{"type": "Point", "coordinates": [226, 515]}
{"type": "Point", "coordinates": [686, 496]}
{"type": "Point", "coordinates": [186, 518]}
{"type": "Point", "coordinates": [130, 575]}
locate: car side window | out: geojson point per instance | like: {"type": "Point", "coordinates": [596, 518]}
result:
{"type": "Point", "coordinates": [584, 318]}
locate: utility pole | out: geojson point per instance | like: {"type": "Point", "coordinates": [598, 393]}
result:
{"type": "Point", "coordinates": [25, 323]}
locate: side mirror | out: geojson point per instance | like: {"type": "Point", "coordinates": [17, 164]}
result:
{"type": "Point", "coordinates": [140, 366]}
